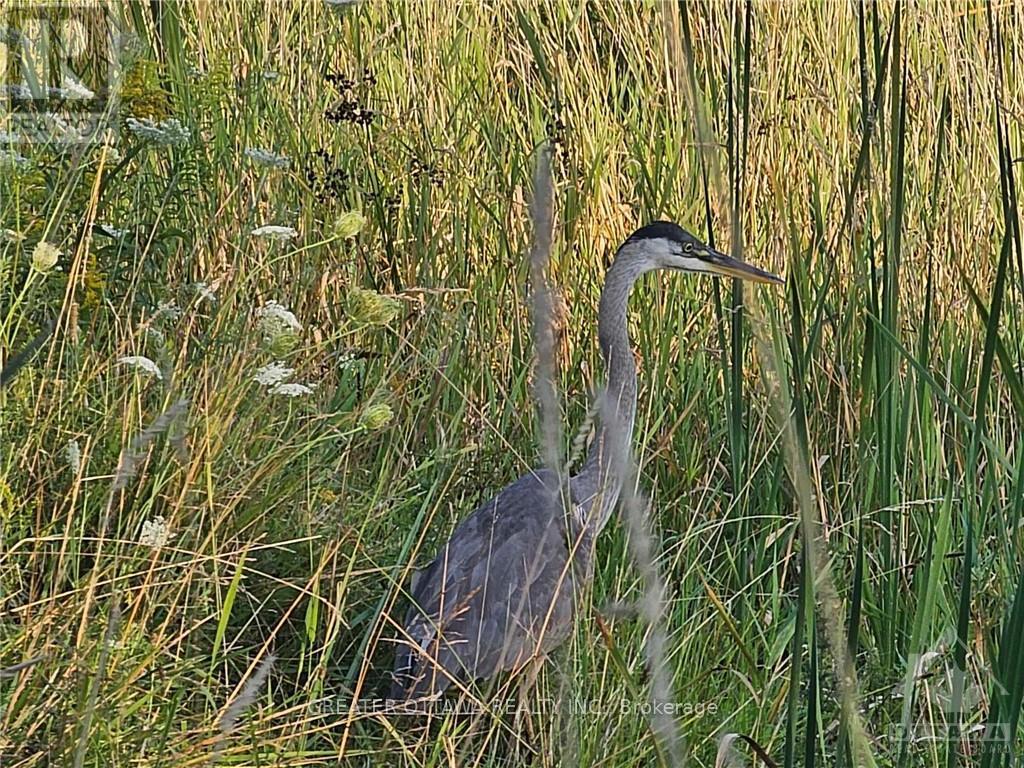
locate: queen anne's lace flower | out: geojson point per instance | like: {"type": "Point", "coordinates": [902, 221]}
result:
{"type": "Point", "coordinates": [113, 153]}
{"type": "Point", "coordinates": [280, 328]}
{"type": "Point", "coordinates": [168, 308]}
{"type": "Point", "coordinates": [16, 91]}
{"type": "Point", "coordinates": [155, 533]}
{"type": "Point", "coordinates": [141, 363]}
{"type": "Point", "coordinates": [292, 389]}
{"type": "Point", "coordinates": [345, 361]}
{"type": "Point", "coordinates": [272, 374]}
{"type": "Point", "coordinates": [267, 158]}
{"type": "Point", "coordinates": [275, 319]}
{"type": "Point", "coordinates": [166, 133]}
{"type": "Point", "coordinates": [275, 232]}
{"type": "Point", "coordinates": [74, 89]}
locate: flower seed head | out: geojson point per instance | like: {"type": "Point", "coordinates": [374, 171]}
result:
{"type": "Point", "coordinates": [44, 257]}
{"type": "Point", "coordinates": [348, 225]}
{"type": "Point", "coordinates": [371, 308]}
{"type": "Point", "coordinates": [376, 416]}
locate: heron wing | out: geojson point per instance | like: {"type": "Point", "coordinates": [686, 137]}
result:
{"type": "Point", "coordinates": [496, 594]}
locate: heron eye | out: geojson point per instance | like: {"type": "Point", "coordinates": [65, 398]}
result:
{"type": "Point", "coordinates": [688, 248]}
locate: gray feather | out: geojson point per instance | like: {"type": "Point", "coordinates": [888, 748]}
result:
{"type": "Point", "coordinates": [482, 606]}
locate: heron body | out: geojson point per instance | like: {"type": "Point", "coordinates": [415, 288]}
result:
{"type": "Point", "coordinates": [502, 591]}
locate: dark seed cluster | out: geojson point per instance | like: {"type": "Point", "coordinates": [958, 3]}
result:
{"type": "Point", "coordinates": [345, 111]}
{"type": "Point", "coordinates": [347, 84]}
{"type": "Point", "coordinates": [434, 174]}
{"type": "Point", "coordinates": [349, 108]}
{"type": "Point", "coordinates": [390, 202]}
{"type": "Point", "coordinates": [327, 180]}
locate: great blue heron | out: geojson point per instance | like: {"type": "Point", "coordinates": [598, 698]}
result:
{"type": "Point", "coordinates": [501, 593]}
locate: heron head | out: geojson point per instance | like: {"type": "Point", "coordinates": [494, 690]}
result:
{"type": "Point", "coordinates": [668, 246]}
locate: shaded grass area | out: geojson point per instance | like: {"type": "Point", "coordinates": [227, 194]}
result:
{"type": "Point", "coordinates": [868, 152]}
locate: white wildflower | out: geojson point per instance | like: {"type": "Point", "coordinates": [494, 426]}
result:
{"type": "Point", "coordinates": [204, 292]}
{"type": "Point", "coordinates": [292, 389]}
{"type": "Point", "coordinates": [275, 314]}
{"type": "Point", "coordinates": [272, 374]}
{"type": "Point", "coordinates": [44, 257]}
{"type": "Point", "coordinates": [155, 533]}
{"type": "Point", "coordinates": [74, 454]}
{"type": "Point", "coordinates": [270, 75]}
{"type": "Point", "coordinates": [267, 158]}
{"type": "Point", "coordinates": [11, 235]}
{"type": "Point", "coordinates": [166, 133]}
{"type": "Point", "coordinates": [141, 363]}
{"type": "Point", "coordinates": [274, 232]}
{"type": "Point", "coordinates": [345, 361]}
{"type": "Point", "coordinates": [280, 327]}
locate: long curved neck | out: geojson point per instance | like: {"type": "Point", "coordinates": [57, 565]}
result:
{"type": "Point", "coordinates": [617, 409]}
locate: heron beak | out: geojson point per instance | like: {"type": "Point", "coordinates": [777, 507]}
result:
{"type": "Point", "coordinates": [727, 266]}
